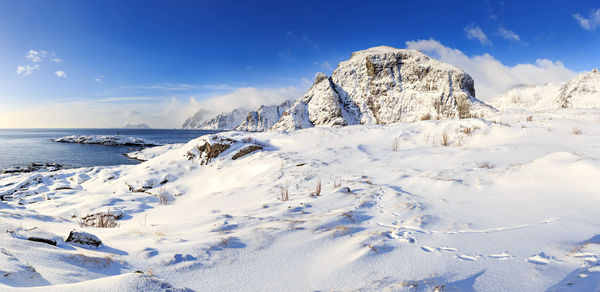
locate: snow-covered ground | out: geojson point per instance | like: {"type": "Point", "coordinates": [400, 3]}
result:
{"type": "Point", "coordinates": [505, 203]}
{"type": "Point", "coordinates": [106, 140]}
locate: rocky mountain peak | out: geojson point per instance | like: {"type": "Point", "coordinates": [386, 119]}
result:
{"type": "Point", "coordinates": [385, 85]}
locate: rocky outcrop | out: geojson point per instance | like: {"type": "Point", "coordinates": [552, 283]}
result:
{"type": "Point", "coordinates": [84, 238]}
{"type": "Point", "coordinates": [106, 140]}
{"type": "Point", "coordinates": [583, 91]}
{"type": "Point", "coordinates": [264, 118]}
{"type": "Point", "coordinates": [384, 85]}
{"type": "Point", "coordinates": [210, 148]}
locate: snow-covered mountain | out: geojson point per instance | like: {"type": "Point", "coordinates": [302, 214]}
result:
{"type": "Point", "coordinates": [383, 85]}
{"type": "Point", "coordinates": [265, 117]}
{"type": "Point", "coordinates": [196, 120]}
{"type": "Point", "coordinates": [530, 97]}
{"type": "Point", "coordinates": [224, 121]}
{"type": "Point", "coordinates": [583, 91]}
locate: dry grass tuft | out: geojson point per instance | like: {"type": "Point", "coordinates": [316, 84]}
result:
{"type": "Point", "coordinates": [317, 191]}
{"type": "Point", "coordinates": [396, 144]}
{"type": "Point", "coordinates": [163, 197]}
{"type": "Point", "coordinates": [576, 131]}
{"type": "Point", "coordinates": [285, 193]}
{"type": "Point", "coordinates": [100, 220]}
{"type": "Point", "coordinates": [337, 182]}
{"type": "Point", "coordinates": [445, 139]}
{"type": "Point", "coordinates": [487, 165]}
{"type": "Point", "coordinates": [426, 117]}
{"type": "Point", "coordinates": [530, 118]}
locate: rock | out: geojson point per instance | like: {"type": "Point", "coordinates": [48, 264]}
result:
{"type": "Point", "coordinates": [245, 151]}
{"type": "Point", "coordinates": [264, 118]}
{"type": "Point", "coordinates": [384, 85]}
{"type": "Point", "coordinates": [83, 238]}
{"type": "Point", "coordinates": [209, 148]}
{"type": "Point", "coordinates": [106, 140]}
{"type": "Point", "coordinates": [42, 240]}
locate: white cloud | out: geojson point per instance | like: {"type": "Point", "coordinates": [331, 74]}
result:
{"type": "Point", "coordinates": [27, 69]}
{"type": "Point", "coordinates": [159, 112]}
{"type": "Point", "coordinates": [508, 34]}
{"type": "Point", "coordinates": [589, 23]}
{"type": "Point", "coordinates": [99, 79]}
{"type": "Point", "coordinates": [36, 56]}
{"type": "Point", "coordinates": [60, 74]}
{"type": "Point", "coordinates": [475, 32]}
{"type": "Point", "coordinates": [56, 60]}
{"type": "Point", "coordinates": [491, 76]}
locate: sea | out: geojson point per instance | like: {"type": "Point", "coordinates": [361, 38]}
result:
{"type": "Point", "coordinates": [22, 147]}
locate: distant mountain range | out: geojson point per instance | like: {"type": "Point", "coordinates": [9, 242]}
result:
{"type": "Point", "coordinates": [137, 126]}
{"type": "Point", "coordinates": [239, 119]}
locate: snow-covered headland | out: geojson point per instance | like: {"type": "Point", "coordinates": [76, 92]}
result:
{"type": "Point", "coordinates": [468, 198]}
{"type": "Point", "coordinates": [106, 140]}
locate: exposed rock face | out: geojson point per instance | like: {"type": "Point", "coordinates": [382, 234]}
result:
{"type": "Point", "coordinates": [583, 91]}
{"type": "Point", "coordinates": [195, 121]}
{"type": "Point", "coordinates": [264, 118]}
{"type": "Point", "coordinates": [385, 85]}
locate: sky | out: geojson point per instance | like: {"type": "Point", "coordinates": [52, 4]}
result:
{"type": "Point", "coordinates": [93, 64]}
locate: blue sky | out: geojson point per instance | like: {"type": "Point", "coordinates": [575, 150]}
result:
{"type": "Point", "coordinates": [106, 63]}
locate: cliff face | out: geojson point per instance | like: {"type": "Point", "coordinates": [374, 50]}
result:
{"type": "Point", "coordinates": [264, 118]}
{"type": "Point", "coordinates": [385, 85]}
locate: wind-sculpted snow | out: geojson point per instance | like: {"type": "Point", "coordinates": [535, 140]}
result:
{"type": "Point", "coordinates": [384, 85]}
{"type": "Point", "coordinates": [436, 205]}
{"type": "Point", "coordinates": [106, 140]}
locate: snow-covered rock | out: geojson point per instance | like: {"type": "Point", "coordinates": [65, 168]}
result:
{"type": "Point", "coordinates": [265, 117]}
{"type": "Point", "coordinates": [384, 85]}
{"type": "Point", "coordinates": [529, 97]}
{"type": "Point", "coordinates": [83, 238]}
{"type": "Point", "coordinates": [583, 91]}
{"type": "Point", "coordinates": [106, 140]}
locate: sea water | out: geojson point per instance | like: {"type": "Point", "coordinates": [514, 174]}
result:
{"type": "Point", "coordinates": [21, 147]}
